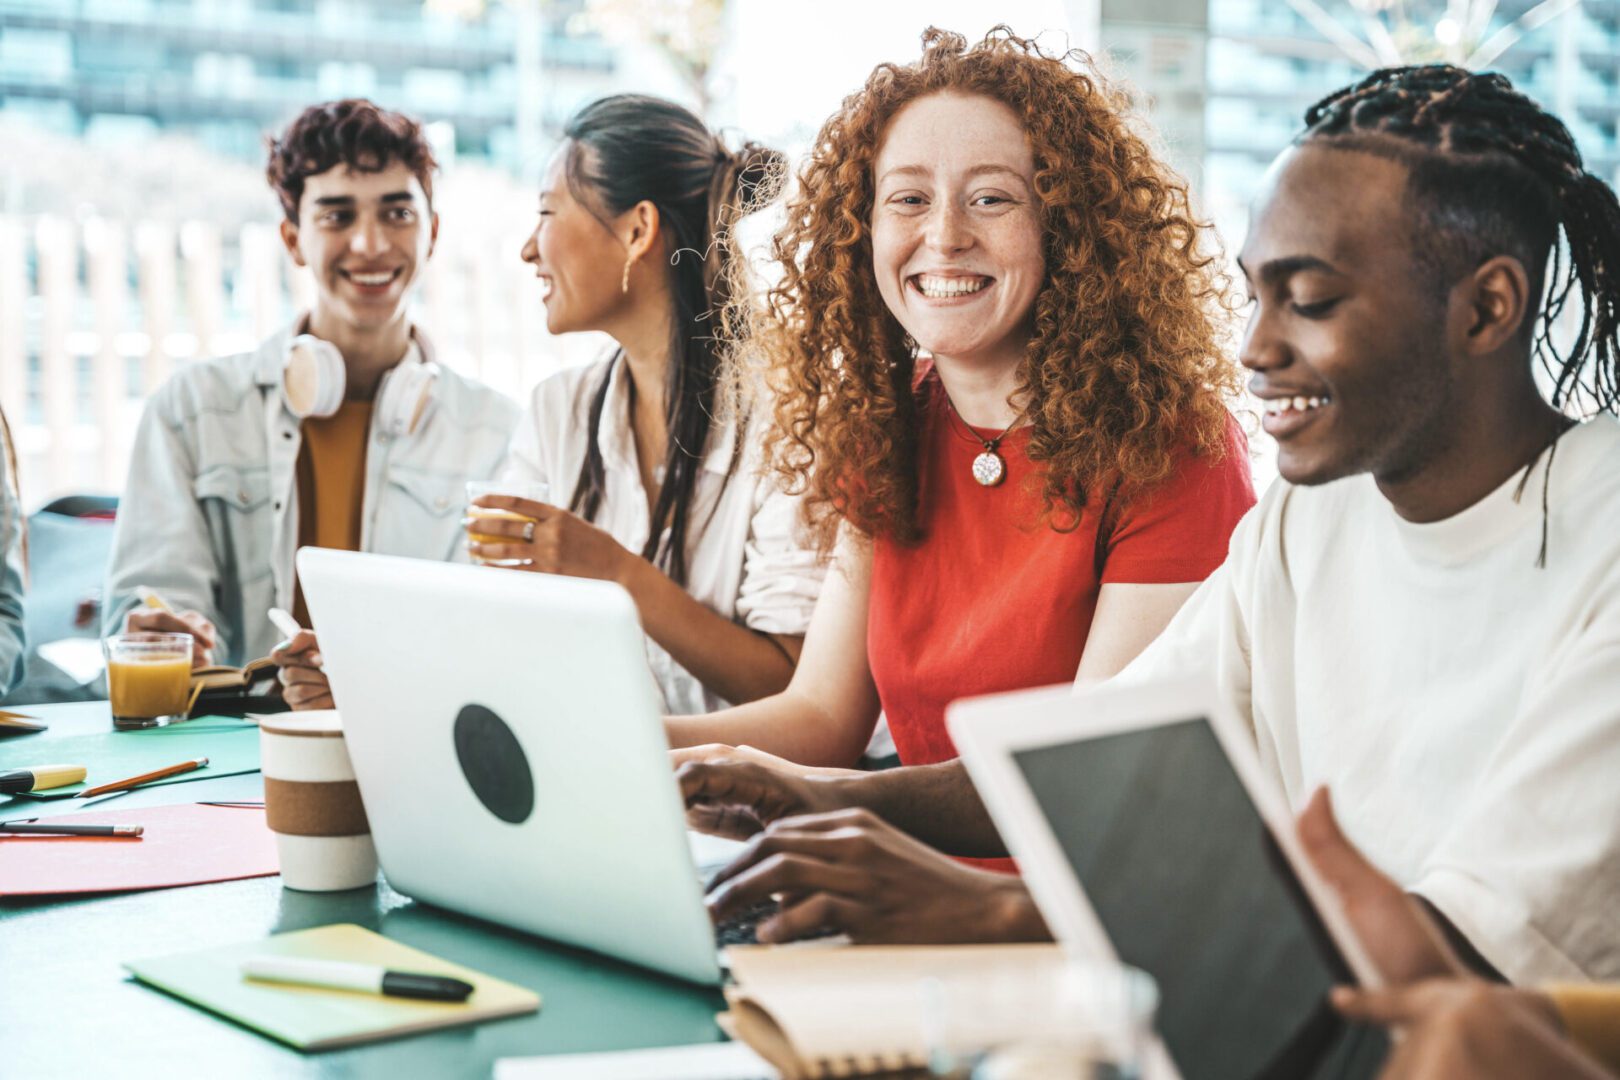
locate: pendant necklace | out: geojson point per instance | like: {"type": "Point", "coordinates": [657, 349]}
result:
{"type": "Point", "coordinates": [988, 468]}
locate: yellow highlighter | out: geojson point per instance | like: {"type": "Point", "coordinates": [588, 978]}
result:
{"type": "Point", "coordinates": [40, 778]}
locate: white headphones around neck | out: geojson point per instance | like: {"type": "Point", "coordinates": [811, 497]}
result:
{"type": "Point", "coordinates": [314, 380]}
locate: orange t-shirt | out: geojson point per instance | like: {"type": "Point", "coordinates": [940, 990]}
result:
{"type": "Point", "coordinates": [332, 483]}
{"type": "Point", "coordinates": [991, 600]}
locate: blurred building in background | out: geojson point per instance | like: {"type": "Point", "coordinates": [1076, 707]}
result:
{"type": "Point", "coordinates": [137, 232]}
{"type": "Point", "coordinates": [136, 229]}
{"type": "Point", "coordinates": [1267, 63]}
{"type": "Point", "coordinates": [226, 71]}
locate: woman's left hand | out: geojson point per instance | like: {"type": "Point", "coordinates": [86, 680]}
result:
{"type": "Point", "coordinates": [554, 542]}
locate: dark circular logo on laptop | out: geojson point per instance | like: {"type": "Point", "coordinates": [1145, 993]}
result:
{"type": "Point", "coordinates": [494, 764]}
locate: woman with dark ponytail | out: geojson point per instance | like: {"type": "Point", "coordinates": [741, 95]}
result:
{"type": "Point", "coordinates": [13, 549]}
{"type": "Point", "coordinates": [650, 460]}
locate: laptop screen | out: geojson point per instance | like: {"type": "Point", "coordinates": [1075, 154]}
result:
{"type": "Point", "coordinates": [1190, 887]}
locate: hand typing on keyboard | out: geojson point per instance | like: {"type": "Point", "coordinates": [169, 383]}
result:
{"type": "Point", "coordinates": [850, 872]}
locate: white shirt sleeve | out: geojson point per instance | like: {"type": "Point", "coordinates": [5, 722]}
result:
{"type": "Point", "coordinates": [526, 459]}
{"type": "Point", "coordinates": [782, 570]}
{"type": "Point", "coordinates": [1530, 872]}
{"type": "Point", "coordinates": [1211, 632]}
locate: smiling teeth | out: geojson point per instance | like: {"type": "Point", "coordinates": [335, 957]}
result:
{"type": "Point", "coordinates": [372, 279]}
{"type": "Point", "coordinates": [1276, 406]}
{"type": "Point", "coordinates": [940, 288]}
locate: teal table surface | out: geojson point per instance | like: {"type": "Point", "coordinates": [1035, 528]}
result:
{"type": "Point", "coordinates": [68, 1009]}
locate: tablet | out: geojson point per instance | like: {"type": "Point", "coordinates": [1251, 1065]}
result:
{"type": "Point", "coordinates": [1147, 830]}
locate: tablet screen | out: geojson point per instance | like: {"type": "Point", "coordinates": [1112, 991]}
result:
{"type": "Point", "coordinates": [1190, 887]}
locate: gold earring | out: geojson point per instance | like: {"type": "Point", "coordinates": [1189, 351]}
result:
{"type": "Point", "coordinates": [624, 283]}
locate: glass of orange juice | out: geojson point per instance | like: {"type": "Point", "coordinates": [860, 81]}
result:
{"type": "Point", "coordinates": [533, 490]}
{"type": "Point", "coordinates": [148, 678]}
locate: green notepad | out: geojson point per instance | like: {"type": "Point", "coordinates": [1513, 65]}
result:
{"type": "Point", "coordinates": [312, 1018]}
{"type": "Point", "coordinates": [231, 747]}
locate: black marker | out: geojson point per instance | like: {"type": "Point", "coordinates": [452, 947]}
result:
{"type": "Point", "coordinates": [365, 978]}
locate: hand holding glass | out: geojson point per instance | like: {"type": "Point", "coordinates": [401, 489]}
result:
{"type": "Point", "coordinates": [477, 489]}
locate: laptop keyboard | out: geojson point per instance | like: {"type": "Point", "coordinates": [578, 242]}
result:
{"type": "Point", "coordinates": [711, 854]}
{"type": "Point", "coordinates": [740, 928]}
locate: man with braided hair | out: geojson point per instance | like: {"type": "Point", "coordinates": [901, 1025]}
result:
{"type": "Point", "coordinates": [1423, 616]}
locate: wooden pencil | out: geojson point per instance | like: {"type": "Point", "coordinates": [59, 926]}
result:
{"type": "Point", "coordinates": [144, 778]}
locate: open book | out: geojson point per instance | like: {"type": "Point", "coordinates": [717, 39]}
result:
{"type": "Point", "coordinates": [870, 1010]}
{"type": "Point", "coordinates": [222, 690]}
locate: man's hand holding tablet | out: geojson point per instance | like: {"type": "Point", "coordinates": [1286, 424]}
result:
{"type": "Point", "coordinates": [1147, 829]}
{"type": "Point", "coordinates": [1452, 1022]}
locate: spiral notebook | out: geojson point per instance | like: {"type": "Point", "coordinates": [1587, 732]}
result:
{"type": "Point", "coordinates": [865, 1010]}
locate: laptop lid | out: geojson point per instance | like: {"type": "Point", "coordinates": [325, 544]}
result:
{"type": "Point", "coordinates": [507, 739]}
{"type": "Point", "coordinates": [1146, 829]}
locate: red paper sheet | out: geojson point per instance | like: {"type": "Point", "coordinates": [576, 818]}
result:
{"type": "Point", "coordinates": [182, 845]}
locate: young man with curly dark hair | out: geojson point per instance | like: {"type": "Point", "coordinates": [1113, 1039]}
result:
{"type": "Point", "coordinates": [338, 431]}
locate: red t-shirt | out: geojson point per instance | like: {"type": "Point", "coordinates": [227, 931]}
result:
{"type": "Point", "coordinates": [993, 600]}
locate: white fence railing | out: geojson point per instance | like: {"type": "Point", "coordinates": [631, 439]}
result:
{"type": "Point", "coordinates": [95, 314]}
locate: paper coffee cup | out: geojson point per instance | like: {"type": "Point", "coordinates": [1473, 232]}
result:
{"type": "Point", "coordinates": [312, 803]}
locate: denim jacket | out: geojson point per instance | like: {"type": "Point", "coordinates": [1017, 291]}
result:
{"type": "Point", "coordinates": [209, 517]}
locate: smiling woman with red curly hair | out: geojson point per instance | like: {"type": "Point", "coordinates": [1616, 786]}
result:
{"type": "Point", "coordinates": [998, 375]}
{"type": "Point", "coordinates": [1120, 361]}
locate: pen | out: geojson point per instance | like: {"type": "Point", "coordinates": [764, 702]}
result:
{"type": "Point", "coordinates": [367, 978]}
{"type": "Point", "coordinates": [144, 778]}
{"type": "Point", "coordinates": [284, 622]}
{"type": "Point", "coordinates": [31, 829]}
{"type": "Point", "coordinates": [40, 778]}
{"type": "Point", "coordinates": [150, 597]}
{"type": "Point", "coordinates": [288, 626]}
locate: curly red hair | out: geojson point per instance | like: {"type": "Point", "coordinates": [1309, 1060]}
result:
{"type": "Point", "coordinates": [1124, 368]}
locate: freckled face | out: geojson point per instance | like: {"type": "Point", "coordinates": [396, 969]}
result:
{"type": "Point", "coordinates": [956, 232]}
{"type": "Point", "coordinates": [577, 258]}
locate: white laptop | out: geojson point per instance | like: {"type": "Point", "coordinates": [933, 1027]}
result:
{"type": "Point", "coordinates": [1146, 829]}
{"type": "Point", "coordinates": [508, 742]}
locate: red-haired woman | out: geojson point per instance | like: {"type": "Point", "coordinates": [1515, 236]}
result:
{"type": "Point", "coordinates": [997, 360]}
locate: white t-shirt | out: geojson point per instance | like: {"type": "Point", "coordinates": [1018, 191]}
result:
{"type": "Point", "coordinates": [747, 560]}
{"type": "Point", "coordinates": [1462, 705]}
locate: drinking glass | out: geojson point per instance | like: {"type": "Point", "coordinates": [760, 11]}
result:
{"type": "Point", "coordinates": [1058, 1020]}
{"type": "Point", "coordinates": [532, 490]}
{"type": "Point", "coordinates": [148, 678]}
